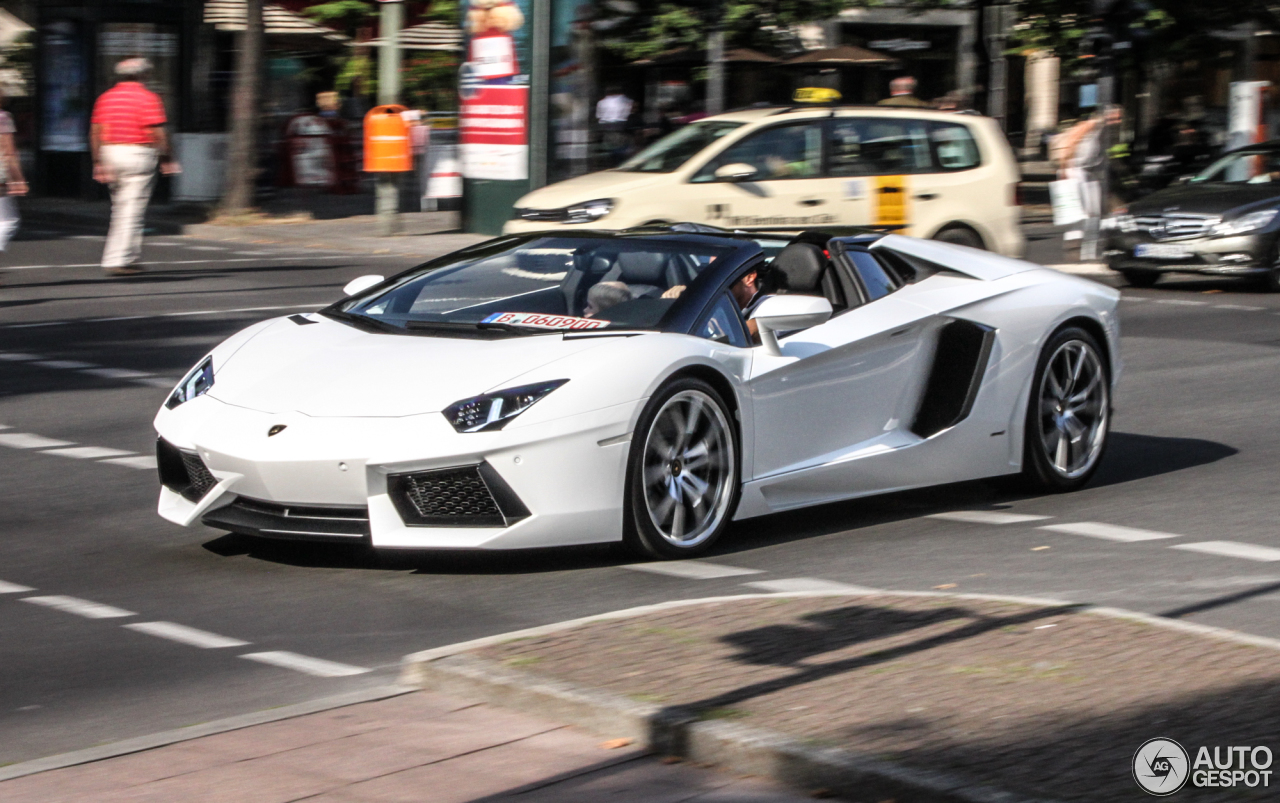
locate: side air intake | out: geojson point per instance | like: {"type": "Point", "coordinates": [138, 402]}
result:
{"type": "Point", "coordinates": [959, 364]}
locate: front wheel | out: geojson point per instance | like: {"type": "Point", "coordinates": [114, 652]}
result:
{"type": "Point", "coordinates": [960, 235]}
{"type": "Point", "coordinates": [1068, 414]}
{"type": "Point", "coordinates": [682, 474]}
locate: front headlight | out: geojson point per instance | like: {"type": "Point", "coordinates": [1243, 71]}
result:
{"type": "Point", "coordinates": [588, 211]}
{"type": "Point", "coordinates": [196, 383]}
{"type": "Point", "coordinates": [1243, 225]}
{"type": "Point", "coordinates": [494, 410]}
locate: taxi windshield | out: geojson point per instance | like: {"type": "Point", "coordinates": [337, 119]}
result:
{"type": "Point", "coordinates": [673, 150]}
{"type": "Point", "coordinates": [541, 283]}
{"type": "Point", "coordinates": [1242, 167]}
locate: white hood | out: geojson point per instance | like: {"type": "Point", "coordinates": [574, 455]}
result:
{"type": "Point", "coordinates": [332, 369]}
{"type": "Point", "coordinates": [593, 186]}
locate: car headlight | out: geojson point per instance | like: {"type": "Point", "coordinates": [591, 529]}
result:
{"type": "Point", "coordinates": [1243, 225]}
{"type": "Point", "coordinates": [588, 211]}
{"type": "Point", "coordinates": [492, 411]}
{"type": "Point", "coordinates": [195, 383]}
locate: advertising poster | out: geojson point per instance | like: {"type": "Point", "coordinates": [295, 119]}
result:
{"type": "Point", "coordinates": [65, 110]}
{"type": "Point", "coordinates": [493, 117]}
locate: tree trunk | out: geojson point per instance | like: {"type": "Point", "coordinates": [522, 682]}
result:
{"type": "Point", "coordinates": [242, 150]}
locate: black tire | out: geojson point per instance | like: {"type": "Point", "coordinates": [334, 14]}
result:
{"type": "Point", "coordinates": [1272, 280]}
{"type": "Point", "coordinates": [1140, 278]}
{"type": "Point", "coordinates": [655, 493]}
{"type": "Point", "coordinates": [961, 235]}
{"type": "Point", "coordinates": [1053, 416]}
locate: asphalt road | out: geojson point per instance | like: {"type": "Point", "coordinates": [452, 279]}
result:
{"type": "Point", "coordinates": [86, 361]}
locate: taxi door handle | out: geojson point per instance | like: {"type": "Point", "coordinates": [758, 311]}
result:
{"type": "Point", "coordinates": [926, 196]}
{"type": "Point", "coordinates": [812, 202]}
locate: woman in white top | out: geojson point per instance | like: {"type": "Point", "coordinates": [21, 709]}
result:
{"type": "Point", "coordinates": [10, 179]}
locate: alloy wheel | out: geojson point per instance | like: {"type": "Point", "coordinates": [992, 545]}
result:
{"type": "Point", "coordinates": [689, 469]}
{"type": "Point", "coordinates": [1074, 407]}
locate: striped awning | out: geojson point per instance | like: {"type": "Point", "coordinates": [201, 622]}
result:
{"type": "Point", "coordinates": [229, 15]}
{"type": "Point", "coordinates": [427, 36]}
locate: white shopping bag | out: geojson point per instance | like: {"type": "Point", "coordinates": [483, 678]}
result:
{"type": "Point", "coordinates": [1065, 197]}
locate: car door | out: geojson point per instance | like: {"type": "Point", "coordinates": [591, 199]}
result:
{"type": "Point", "coordinates": [787, 189]}
{"type": "Point", "coordinates": [947, 189]}
{"type": "Point", "coordinates": [840, 390]}
{"type": "Point", "coordinates": [874, 161]}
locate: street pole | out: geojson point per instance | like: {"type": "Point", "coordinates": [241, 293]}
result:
{"type": "Point", "coordinates": [387, 200]}
{"type": "Point", "coordinates": [1091, 246]}
{"type": "Point", "coordinates": [715, 70]}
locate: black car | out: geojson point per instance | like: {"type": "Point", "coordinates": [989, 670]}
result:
{"type": "Point", "coordinates": [1223, 221]}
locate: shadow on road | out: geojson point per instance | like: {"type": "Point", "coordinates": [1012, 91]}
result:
{"type": "Point", "coordinates": [1129, 457]}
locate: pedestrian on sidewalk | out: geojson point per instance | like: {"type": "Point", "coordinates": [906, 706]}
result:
{"type": "Point", "coordinates": [11, 180]}
{"type": "Point", "coordinates": [902, 92]}
{"type": "Point", "coordinates": [128, 139]}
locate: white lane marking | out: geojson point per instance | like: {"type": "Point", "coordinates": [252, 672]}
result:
{"type": "Point", "coordinates": [25, 440]}
{"type": "Point", "coordinates": [1126, 297]}
{"type": "Point", "coordinates": [1111, 532]}
{"type": "Point", "coordinates": [80, 607]}
{"type": "Point", "coordinates": [798, 585]}
{"type": "Point", "coordinates": [87, 237]}
{"type": "Point", "coordinates": [115, 373]}
{"type": "Point", "coordinates": [1182, 302]}
{"type": "Point", "coordinates": [88, 452]}
{"type": "Point", "coordinates": [160, 315]}
{"type": "Point", "coordinates": [986, 517]}
{"type": "Point", "coordinates": [690, 569]}
{"type": "Point", "coordinates": [206, 248]}
{"type": "Point", "coordinates": [1233, 549]}
{"type": "Point", "coordinates": [251, 253]}
{"type": "Point", "coordinates": [64, 364]}
{"type": "Point", "coordinates": [1239, 306]}
{"type": "Point", "coordinates": [219, 260]}
{"type": "Point", "coordinates": [186, 635]}
{"type": "Point", "coordinates": [13, 588]}
{"type": "Point", "coordinates": [303, 663]}
{"type": "Point", "coordinates": [162, 382]}
{"type": "Point", "coordinates": [145, 461]}
{"type": "Point", "coordinates": [13, 356]}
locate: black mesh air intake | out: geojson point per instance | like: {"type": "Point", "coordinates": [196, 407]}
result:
{"type": "Point", "coordinates": [466, 496]}
{"type": "Point", "coordinates": [183, 472]}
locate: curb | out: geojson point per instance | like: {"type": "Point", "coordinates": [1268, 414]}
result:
{"type": "Point", "coordinates": [154, 740]}
{"type": "Point", "coordinates": [738, 748]}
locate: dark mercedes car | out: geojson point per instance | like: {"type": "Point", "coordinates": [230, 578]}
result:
{"type": "Point", "coordinates": [1223, 221]}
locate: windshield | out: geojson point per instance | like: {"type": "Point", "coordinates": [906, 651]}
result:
{"type": "Point", "coordinates": [673, 150]}
{"type": "Point", "coordinates": [1243, 167]}
{"type": "Point", "coordinates": [544, 283]}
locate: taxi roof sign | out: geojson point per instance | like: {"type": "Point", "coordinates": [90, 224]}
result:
{"type": "Point", "coordinates": [816, 94]}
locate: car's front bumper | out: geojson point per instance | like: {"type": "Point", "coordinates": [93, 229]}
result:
{"type": "Point", "coordinates": [335, 478]}
{"type": "Point", "coordinates": [1244, 255]}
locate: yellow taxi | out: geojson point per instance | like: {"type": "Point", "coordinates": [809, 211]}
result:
{"type": "Point", "coordinates": [942, 175]}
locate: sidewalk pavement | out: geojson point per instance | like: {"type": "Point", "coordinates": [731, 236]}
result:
{"type": "Point", "coordinates": [419, 747]}
{"type": "Point", "coordinates": [951, 697]}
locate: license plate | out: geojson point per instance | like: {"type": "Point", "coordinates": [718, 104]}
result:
{"type": "Point", "coordinates": [1161, 251]}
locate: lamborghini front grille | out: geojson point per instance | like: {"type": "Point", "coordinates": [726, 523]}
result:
{"type": "Point", "coordinates": [465, 496]}
{"type": "Point", "coordinates": [182, 472]}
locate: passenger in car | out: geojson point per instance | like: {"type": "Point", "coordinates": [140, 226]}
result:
{"type": "Point", "coordinates": [604, 295]}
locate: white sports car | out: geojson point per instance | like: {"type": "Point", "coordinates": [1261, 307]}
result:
{"type": "Point", "coordinates": [646, 386]}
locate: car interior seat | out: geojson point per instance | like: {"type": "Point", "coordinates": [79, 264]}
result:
{"type": "Point", "coordinates": [645, 272]}
{"type": "Point", "coordinates": [803, 269]}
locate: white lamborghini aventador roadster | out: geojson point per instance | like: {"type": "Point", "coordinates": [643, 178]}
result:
{"type": "Point", "coordinates": [647, 386]}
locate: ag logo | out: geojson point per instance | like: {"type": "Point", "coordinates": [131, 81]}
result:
{"type": "Point", "coordinates": [1161, 767]}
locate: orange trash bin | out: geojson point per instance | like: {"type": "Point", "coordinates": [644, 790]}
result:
{"type": "Point", "coordinates": [386, 141]}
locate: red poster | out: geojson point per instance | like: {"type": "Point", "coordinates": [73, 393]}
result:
{"type": "Point", "coordinates": [494, 133]}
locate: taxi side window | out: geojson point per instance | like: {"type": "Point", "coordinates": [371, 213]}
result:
{"type": "Point", "coordinates": [724, 324]}
{"type": "Point", "coordinates": [787, 151]}
{"type": "Point", "coordinates": [954, 147]}
{"type": "Point", "coordinates": [879, 146]}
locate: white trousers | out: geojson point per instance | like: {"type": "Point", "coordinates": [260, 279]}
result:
{"type": "Point", "coordinates": [133, 169]}
{"type": "Point", "coordinates": [8, 219]}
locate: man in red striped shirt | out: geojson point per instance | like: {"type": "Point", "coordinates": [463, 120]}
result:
{"type": "Point", "coordinates": [128, 138]}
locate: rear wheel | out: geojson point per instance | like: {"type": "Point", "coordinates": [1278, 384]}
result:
{"type": "Point", "coordinates": [960, 235]}
{"type": "Point", "coordinates": [1068, 414]}
{"type": "Point", "coordinates": [1140, 278]}
{"type": "Point", "coordinates": [682, 474]}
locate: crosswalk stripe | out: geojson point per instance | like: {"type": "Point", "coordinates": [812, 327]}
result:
{"type": "Point", "coordinates": [13, 588]}
{"type": "Point", "coordinates": [986, 517]}
{"type": "Point", "coordinates": [80, 607]}
{"type": "Point", "coordinates": [88, 452]}
{"type": "Point", "coordinates": [800, 585]}
{"type": "Point", "coordinates": [144, 461]}
{"type": "Point", "coordinates": [186, 635]}
{"type": "Point", "coordinates": [1233, 549]}
{"type": "Point", "coordinates": [25, 440]}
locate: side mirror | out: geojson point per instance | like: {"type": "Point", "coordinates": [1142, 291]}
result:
{"type": "Point", "coordinates": [362, 283]}
{"type": "Point", "coordinates": [738, 171]}
{"type": "Point", "coordinates": [788, 313]}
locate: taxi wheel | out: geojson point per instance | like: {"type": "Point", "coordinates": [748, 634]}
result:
{"type": "Point", "coordinates": [1272, 282]}
{"type": "Point", "coordinates": [960, 235]}
{"type": "Point", "coordinates": [1140, 278]}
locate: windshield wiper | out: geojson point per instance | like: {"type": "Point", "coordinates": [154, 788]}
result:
{"type": "Point", "coordinates": [461, 326]}
{"type": "Point", "coordinates": [362, 321]}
